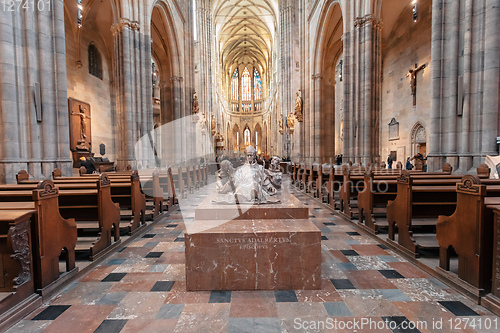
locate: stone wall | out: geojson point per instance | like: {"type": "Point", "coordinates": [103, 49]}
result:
{"type": "Point", "coordinates": [409, 43]}
{"type": "Point", "coordinates": [90, 89]}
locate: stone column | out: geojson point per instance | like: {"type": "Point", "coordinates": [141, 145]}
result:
{"type": "Point", "coordinates": [125, 103]}
{"type": "Point", "coordinates": [131, 63]}
{"type": "Point", "coordinates": [491, 94]}
{"type": "Point", "coordinates": [464, 107]}
{"type": "Point", "coordinates": [435, 153]}
{"type": "Point", "coordinates": [368, 78]}
{"type": "Point", "coordinates": [286, 18]}
{"type": "Point", "coordinates": [32, 50]}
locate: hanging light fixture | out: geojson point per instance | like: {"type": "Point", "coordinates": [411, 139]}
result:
{"type": "Point", "coordinates": [340, 70]}
{"type": "Point", "coordinates": [80, 10]}
{"type": "Point", "coordinates": [414, 10]}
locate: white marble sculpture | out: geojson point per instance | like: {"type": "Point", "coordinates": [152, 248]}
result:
{"type": "Point", "coordinates": [274, 172]}
{"type": "Point", "coordinates": [249, 184]}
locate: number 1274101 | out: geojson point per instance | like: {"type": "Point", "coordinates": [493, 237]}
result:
{"type": "Point", "coordinates": [25, 5]}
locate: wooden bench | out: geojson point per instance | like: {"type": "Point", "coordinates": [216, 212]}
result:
{"type": "Point", "coordinates": [469, 231]}
{"type": "Point", "coordinates": [51, 233]}
{"type": "Point", "coordinates": [178, 180]}
{"type": "Point", "coordinates": [492, 300]}
{"type": "Point", "coordinates": [16, 263]}
{"type": "Point", "coordinates": [126, 191]}
{"type": "Point", "coordinates": [90, 204]}
{"type": "Point", "coordinates": [379, 189]}
{"type": "Point", "coordinates": [166, 182]}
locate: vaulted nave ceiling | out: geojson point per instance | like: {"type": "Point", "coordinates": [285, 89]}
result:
{"type": "Point", "coordinates": [245, 31]}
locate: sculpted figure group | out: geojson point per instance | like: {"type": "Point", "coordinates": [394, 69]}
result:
{"type": "Point", "coordinates": [251, 183]}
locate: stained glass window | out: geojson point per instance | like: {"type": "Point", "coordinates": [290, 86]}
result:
{"type": "Point", "coordinates": [246, 86]}
{"type": "Point", "coordinates": [257, 85]}
{"type": "Point", "coordinates": [246, 107]}
{"type": "Point", "coordinates": [234, 85]}
{"type": "Point", "coordinates": [95, 63]}
{"type": "Point", "coordinates": [247, 137]}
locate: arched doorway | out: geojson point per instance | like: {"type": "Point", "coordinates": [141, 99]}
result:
{"type": "Point", "coordinates": [418, 140]}
{"type": "Point", "coordinates": [258, 139]}
{"type": "Point", "coordinates": [236, 138]}
{"type": "Point", "coordinates": [247, 136]}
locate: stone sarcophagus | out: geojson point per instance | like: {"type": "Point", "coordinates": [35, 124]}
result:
{"type": "Point", "coordinates": [253, 255]}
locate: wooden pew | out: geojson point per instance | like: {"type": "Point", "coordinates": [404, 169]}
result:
{"type": "Point", "coordinates": [379, 188]}
{"type": "Point", "coordinates": [205, 170]}
{"type": "Point", "coordinates": [94, 211]}
{"type": "Point", "coordinates": [186, 175]}
{"type": "Point", "coordinates": [51, 234]}
{"type": "Point", "coordinates": [292, 172]}
{"type": "Point", "coordinates": [372, 202]}
{"type": "Point", "coordinates": [194, 177]}
{"type": "Point", "coordinates": [469, 231]}
{"type": "Point", "coordinates": [312, 177]}
{"type": "Point", "coordinates": [90, 204]}
{"type": "Point", "coordinates": [418, 206]}
{"type": "Point", "coordinates": [179, 182]}
{"type": "Point", "coordinates": [130, 196]}
{"type": "Point", "coordinates": [320, 183]}
{"type": "Point", "coordinates": [167, 184]}
{"type": "Point", "coordinates": [125, 190]}
{"type": "Point", "coordinates": [364, 199]}
{"type": "Point", "coordinates": [492, 300]}
{"type": "Point", "coordinates": [16, 264]}
{"type": "Point", "coordinates": [199, 178]}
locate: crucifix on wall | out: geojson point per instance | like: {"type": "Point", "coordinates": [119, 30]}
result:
{"type": "Point", "coordinates": [412, 73]}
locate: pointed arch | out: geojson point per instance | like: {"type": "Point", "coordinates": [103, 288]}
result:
{"type": "Point", "coordinates": [418, 139]}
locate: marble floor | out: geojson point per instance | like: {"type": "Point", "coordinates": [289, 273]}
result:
{"type": "Point", "coordinates": [366, 288]}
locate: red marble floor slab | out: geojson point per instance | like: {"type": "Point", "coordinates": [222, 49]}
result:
{"type": "Point", "coordinates": [369, 250]}
{"type": "Point", "coordinates": [408, 270]}
{"type": "Point", "coordinates": [339, 255]}
{"type": "Point", "coordinates": [98, 274]}
{"type": "Point", "coordinates": [150, 326]}
{"type": "Point", "coordinates": [171, 258]}
{"type": "Point", "coordinates": [133, 252]}
{"type": "Point", "coordinates": [301, 310]}
{"type": "Point", "coordinates": [179, 295]}
{"type": "Point", "coordinates": [248, 304]}
{"type": "Point", "coordinates": [203, 318]}
{"type": "Point", "coordinates": [136, 282]}
{"type": "Point", "coordinates": [371, 307]}
{"type": "Point", "coordinates": [367, 279]}
{"type": "Point", "coordinates": [138, 305]}
{"type": "Point", "coordinates": [80, 318]}
{"type": "Point", "coordinates": [328, 293]}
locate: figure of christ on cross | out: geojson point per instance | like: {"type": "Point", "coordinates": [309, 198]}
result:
{"type": "Point", "coordinates": [412, 73]}
{"type": "Point", "coordinates": [83, 126]}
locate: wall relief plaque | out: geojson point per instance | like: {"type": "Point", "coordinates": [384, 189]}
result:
{"type": "Point", "coordinates": [79, 125]}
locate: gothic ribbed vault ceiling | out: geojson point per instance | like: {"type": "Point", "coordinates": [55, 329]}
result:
{"type": "Point", "coordinates": [245, 31]}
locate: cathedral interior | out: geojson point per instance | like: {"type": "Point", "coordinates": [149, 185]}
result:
{"type": "Point", "coordinates": [111, 98]}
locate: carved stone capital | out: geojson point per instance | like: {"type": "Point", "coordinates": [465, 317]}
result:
{"type": "Point", "coordinates": [368, 19]}
{"type": "Point", "coordinates": [176, 79]}
{"type": "Point", "coordinates": [124, 23]}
